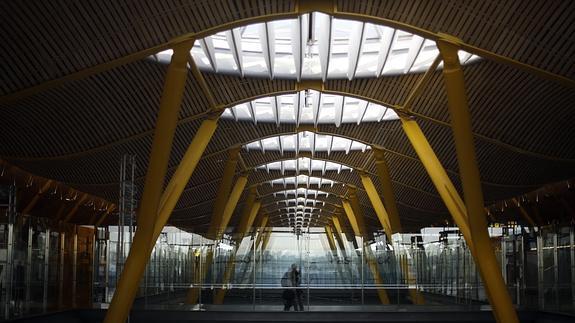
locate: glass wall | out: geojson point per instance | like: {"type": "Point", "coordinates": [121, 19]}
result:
{"type": "Point", "coordinates": [46, 266]}
{"type": "Point", "coordinates": [433, 267]}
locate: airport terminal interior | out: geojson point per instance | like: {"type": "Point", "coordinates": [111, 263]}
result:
{"type": "Point", "coordinates": [287, 161]}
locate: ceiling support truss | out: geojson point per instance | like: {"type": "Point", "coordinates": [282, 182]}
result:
{"type": "Point", "coordinates": [498, 294]}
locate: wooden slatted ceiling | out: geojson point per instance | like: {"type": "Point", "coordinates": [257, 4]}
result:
{"type": "Point", "coordinates": [77, 132]}
{"type": "Point", "coordinates": [44, 40]}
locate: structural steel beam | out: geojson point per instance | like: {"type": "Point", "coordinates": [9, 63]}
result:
{"type": "Point", "coordinates": [37, 197]}
{"type": "Point", "coordinates": [231, 204]}
{"type": "Point", "coordinates": [378, 207]}
{"type": "Point", "coordinates": [216, 233]}
{"type": "Point", "coordinates": [158, 164]}
{"type": "Point", "coordinates": [249, 213]}
{"type": "Point", "coordinates": [471, 181]}
{"type": "Point", "coordinates": [224, 190]}
{"type": "Point", "coordinates": [357, 210]}
{"type": "Point", "coordinates": [438, 176]}
{"type": "Point", "coordinates": [384, 218]}
{"type": "Point", "coordinates": [248, 217]}
{"type": "Point", "coordinates": [182, 175]}
{"type": "Point", "coordinates": [339, 235]}
{"type": "Point", "coordinates": [388, 194]}
{"type": "Point", "coordinates": [329, 7]}
{"type": "Point", "coordinates": [372, 264]}
{"type": "Point", "coordinates": [330, 239]}
{"type": "Point", "coordinates": [421, 83]}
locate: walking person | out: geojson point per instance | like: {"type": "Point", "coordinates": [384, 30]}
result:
{"type": "Point", "coordinates": [288, 294]}
{"type": "Point", "coordinates": [296, 282]}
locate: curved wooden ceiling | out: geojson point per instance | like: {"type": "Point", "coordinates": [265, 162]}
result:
{"type": "Point", "coordinates": [76, 131]}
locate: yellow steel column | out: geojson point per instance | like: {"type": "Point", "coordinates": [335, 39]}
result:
{"type": "Point", "coordinates": [194, 293]}
{"type": "Point", "coordinates": [351, 217]}
{"type": "Point", "coordinates": [358, 212]}
{"type": "Point", "coordinates": [246, 221]}
{"type": "Point", "coordinates": [224, 190]}
{"type": "Point", "coordinates": [158, 163]}
{"type": "Point", "coordinates": [388, 194]}
{"type": "Point", "coordinates": [248, 216]}
{"type": "Point", "coordinates": [231, 203]}
{"type": "Point", "coordinates": [339, 235]}
{"type": "Point", "coordinates": [370, 260]}
{"type": "Point", "coordinates": [471, 182]}
{"type": "Point", "coordinates": [383, 216]}
{"type": "Point", "coordinates": [36, 197]}
{"type": "Point", "coordinates": [183, 174]}
{"type": "Point", "coordinates": [378, 207]}
{"type": "Point", "coordinates": [266, 238]}
{"type": "Point", "coordinates": [438, 176]}
{"type": "Point", "coordinates": [263, 223]}
{"type": "Point", "coordinates": [330, 240]}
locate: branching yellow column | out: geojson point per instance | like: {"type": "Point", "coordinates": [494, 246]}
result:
{"type": "Point", "coordinates": [388, 194]}
{"type": "Point", "coordinates": [183, 174]}
{"type": "Point", "coordinates": [224, 191]}
{"type": "Point", "coordinates": [368, 256]}
{"type": "Point", "coordinates": [383, 216]}
{"type": "Point", "coordinates": [157, 167]}
{"type": "Point", "coordinates": [194, 293]}
{"type": "Point", "coordinates": [330, 240]}
{"type": "Point", "coordinates": [440, 180]}
{"type": "Point", "coordinates": [378, 207]}
{"type": "Point", "coordinates": [339, 235]}
{"type": "Point", "coordinates": [250, 211]}
{"type": "Point", "coordinates": [471, 182]}
{"type": "Point", "coordinates": [438, 176]}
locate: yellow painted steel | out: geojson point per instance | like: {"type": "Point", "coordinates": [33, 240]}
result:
{"type": "Point", "coordinates": [246, 222]}
{"type": "Point", "coordinates": [421, 83]}
{"type": "Point", "coordinates": [157, 166]}
{"type": "Point", "coordinates": [416, 297]}
{"type": "Point", "coordinates": [438, 176]}
{"type": "Point", "coordinates": [330, 239]}
{"type": "Point", "coordinates": [224, 191]}
{"type": "Point", "coordinates": [183, 174]}
{"type": "Point", "coordinates": [471, 182]}
{"type": "Point", "coordinates": [378, 207]}
{"type": "Point", "coordinates": [231, 203]}
{"type": "Point", "coordinates": [36, 197]}
{"type": "Point", "coordinates": [216, 234]}
{"type": "Point", "coordinates": [263, 223]}
{"type": "Point", "coordinates": [388, 194]}
{"type": "Point", "coordinates": [372, 265]}
{"type": "Point", "coordinates": [302, 7]}
{"type": "Point", "coordinates": [350, 216]}
{"type": "Point", "coordinates": [339, 235]}
{"type": "Point", "coordinates": [230, 267]}
{"type": "Point", "coordinates": [266, 238]}
{"type": "Point", "coordinates": [76, 207]}
{"type": "Point", "coordinates": [383, 216]}
{"type": "Point", "coordinates": [370, 259]}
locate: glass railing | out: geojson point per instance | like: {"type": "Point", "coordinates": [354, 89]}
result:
{"type": "Point", "coordinates": [47, 266]}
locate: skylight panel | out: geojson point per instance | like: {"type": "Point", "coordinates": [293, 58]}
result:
{"type": "Point", "coordinates": [306, 142]}
{"type": "Point", "coordinates": [304, 164]}
{"type": "Point", "coordinates": [314, 46]}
